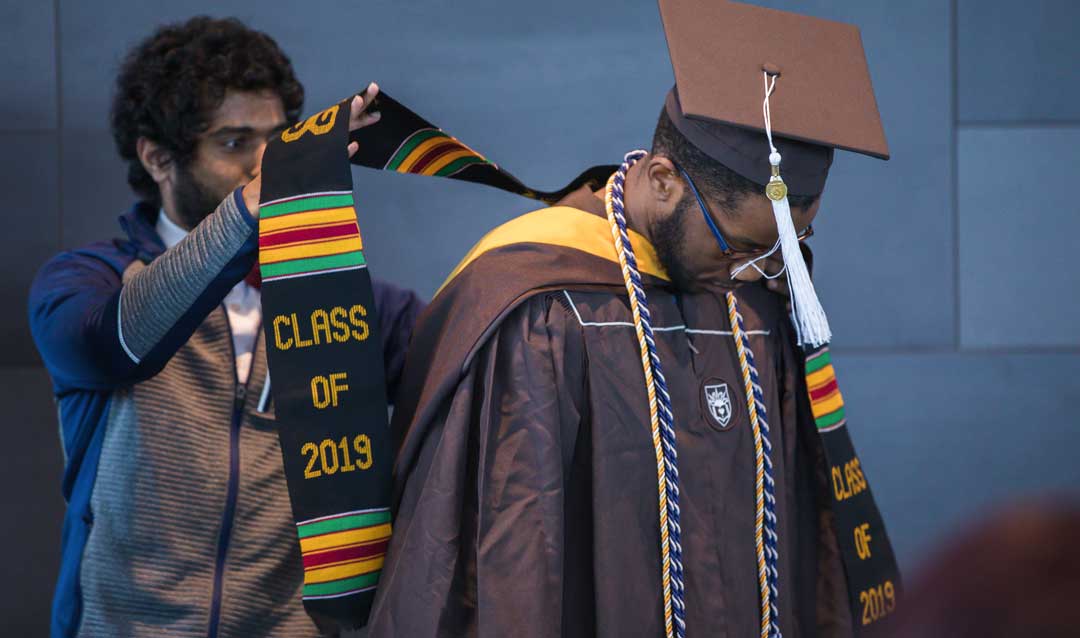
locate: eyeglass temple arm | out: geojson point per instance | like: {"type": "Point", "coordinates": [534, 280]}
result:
{"type": "Point", "coordinates": [705, 212]}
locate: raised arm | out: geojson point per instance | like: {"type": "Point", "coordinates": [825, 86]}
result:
{"type": "Point", "coordinates": [98, 328]}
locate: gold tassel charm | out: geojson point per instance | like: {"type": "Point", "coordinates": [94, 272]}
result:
{"type": "Point", "coordinates": [776, 189]}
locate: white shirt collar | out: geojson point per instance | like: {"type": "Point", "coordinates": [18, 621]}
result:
{"type": "Point", "coordinates": [167, 229]}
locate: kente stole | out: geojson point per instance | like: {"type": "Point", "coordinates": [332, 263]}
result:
{"type": "Point", "coordinates": [326, 364]}
{"type": "Point", "coordinates": [872, 573]}
{"type": "Point", "coordinates": [326, 360]}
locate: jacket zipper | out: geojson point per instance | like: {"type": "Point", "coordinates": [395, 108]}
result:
{"type": "Point", "coordinates": [233, 485]}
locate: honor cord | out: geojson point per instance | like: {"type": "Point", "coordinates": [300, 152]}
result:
{"type": "Point", "coordinates": [764, 489]}
{"type": "Point", "coordinates": [660, 415]}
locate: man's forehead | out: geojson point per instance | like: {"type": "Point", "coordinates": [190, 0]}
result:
{"type": "Point", "coordinates": [259, 110]}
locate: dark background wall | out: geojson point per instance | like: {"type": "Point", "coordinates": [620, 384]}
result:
{"type": "Point", "coordinates": [947, 272]}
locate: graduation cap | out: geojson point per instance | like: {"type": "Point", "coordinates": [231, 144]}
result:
{"type": "Point", "coordinates": [770, 94]}
{"type": "Point", "coordinates": [823, 98]}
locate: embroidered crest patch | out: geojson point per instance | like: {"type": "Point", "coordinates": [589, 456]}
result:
{"type": "Point", "coordinates": [718, 400]}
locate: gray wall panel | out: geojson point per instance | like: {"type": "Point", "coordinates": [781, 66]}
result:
{"type": "Point", "coordinates": [27, 61]}
{"type": "Point", "coordinates": [94, 188]}
{"type": "Point", "coordinates": [335, 44]}
{"type": "Point", "coordinates": [1017, 60]}
{"type": "Point", "coordinates": [31, 214]}
{"type": "Point", "coordinates": [30, 494]}
{"type": "Point", "coordinates": [945, 436]}
{"type": "Point", "coordinates": [1019, 223]}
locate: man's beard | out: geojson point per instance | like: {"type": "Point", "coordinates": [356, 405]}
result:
{"type": "Point", "coordinates": [669, 240]}
{"type": "Point", "coordinates": [193, 200]}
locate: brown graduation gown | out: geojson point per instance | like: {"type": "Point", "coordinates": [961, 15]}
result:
{"type": "Point", "coordinates": [526, 496]}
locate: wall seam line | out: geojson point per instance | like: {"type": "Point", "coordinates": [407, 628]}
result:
{"type": "Point", "coordinates": [59, 128]}
{"type": "Point", "coordinates": [954, 52]}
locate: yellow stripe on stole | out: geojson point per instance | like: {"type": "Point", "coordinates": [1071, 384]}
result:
{"type": "Point", "coordinates": [349, 537]}
{"type": "Point", "coordinates": [820, 377]}
{"type": "Point", "coordinates": [310, 218]}
{"type": "Point", "coordinates": [301, 251]}
{"type": "Point", "coordinates": [829, 404]}
{"type": "Point", "coordinates": [349, 561]}
{"type": "Point", "coordinates": [567, 227]}
{"type": "Point", "coordinates": [445, 160]}
{"type": "Point", "coordinates": [348, 570]}
{"type": "Point", "coordinates": [420, 151]}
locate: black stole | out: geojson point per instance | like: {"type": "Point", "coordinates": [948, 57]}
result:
{"type": "Point", "coordinates": [326, 362]}
{"type": "Point", "coordinates": [872, 574]}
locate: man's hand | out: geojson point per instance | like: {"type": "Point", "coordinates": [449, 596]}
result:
{"type": "Point", "coordinates": [358, 118]}
{"type": "Point", "coordinates": [358, 115]}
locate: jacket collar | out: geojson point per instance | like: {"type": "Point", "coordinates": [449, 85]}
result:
{"type": "Point", "coordinates": [138, 223]}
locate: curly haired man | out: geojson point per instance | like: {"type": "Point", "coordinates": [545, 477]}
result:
{"type": "Point", "coordinates": [178, 520]}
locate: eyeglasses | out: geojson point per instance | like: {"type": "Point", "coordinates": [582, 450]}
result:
{"type": "Point", "coordinates": [725, 247]}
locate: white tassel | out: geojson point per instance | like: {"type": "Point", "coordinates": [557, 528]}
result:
{"type": "Point", "coordinates": [811, 324]}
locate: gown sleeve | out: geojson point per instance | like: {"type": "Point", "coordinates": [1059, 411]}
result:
{"type": "Point", "coordinates": [478, 547]}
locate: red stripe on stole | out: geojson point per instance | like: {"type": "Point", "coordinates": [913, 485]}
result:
{"type": "Point", "coordinates": [345, 553]}
{"type": "Point", "coordinates": [435, 153]}
{"type": "Point", "coordinates": [824, 391]}
{"type": "Point", "coordinates": [344, 229]}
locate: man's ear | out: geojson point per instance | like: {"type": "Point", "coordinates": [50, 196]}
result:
{"type": "Point", "coordinates": [665, 182]}
{"type": "Point", "coordinates": [156, 160]}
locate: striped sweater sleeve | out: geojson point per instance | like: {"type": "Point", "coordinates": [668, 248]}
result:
{"type": "Point", "coordinates": [97, 329]}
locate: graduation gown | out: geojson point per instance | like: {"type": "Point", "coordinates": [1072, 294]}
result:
{"type": "Point", "coordinates": [525, 483]}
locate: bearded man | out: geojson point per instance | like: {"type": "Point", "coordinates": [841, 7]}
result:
{"type": "Point", "coordinates": [612, 425]}
{"type": "Point", "coordinates": [178, 519]}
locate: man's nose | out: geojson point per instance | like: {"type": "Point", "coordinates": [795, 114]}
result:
{"type": "Point", "coordinates": [256, 163]}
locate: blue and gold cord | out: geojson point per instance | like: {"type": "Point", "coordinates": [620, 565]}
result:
{"type": "Point", "coordinates": [663, 432]}
{"type": "Point", "coordinates": [660, 415]}
{"type": "Point", "coordinates": [765, 538]}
